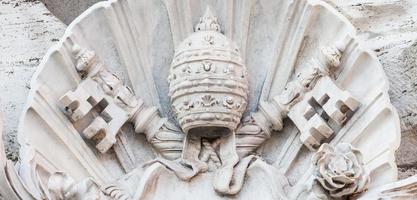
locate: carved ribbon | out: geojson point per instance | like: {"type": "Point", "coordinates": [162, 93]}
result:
{"type": "Point", "coordinates": [228, 178]}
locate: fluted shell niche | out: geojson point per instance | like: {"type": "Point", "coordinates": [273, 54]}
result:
{"type": "Point", "coordinates": [299, 55]}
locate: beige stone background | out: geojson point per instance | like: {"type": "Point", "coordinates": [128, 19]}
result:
{"type": "Point", "coordinates": [388, 27]}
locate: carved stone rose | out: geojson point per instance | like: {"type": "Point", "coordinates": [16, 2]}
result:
{"type": "Point", "coordinates": [340, 169]}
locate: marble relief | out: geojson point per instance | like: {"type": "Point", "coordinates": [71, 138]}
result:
{"type": "Point", "coordinates": [207, 100]}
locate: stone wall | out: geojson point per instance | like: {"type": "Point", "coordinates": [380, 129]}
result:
{"type": "Point", "coordinates": [27, 31]}
{"type": "Point", "coordinates": [386, 26]}
{"type": "Point", "coordinates": [389, 28]}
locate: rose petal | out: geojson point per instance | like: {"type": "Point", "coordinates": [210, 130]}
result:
{"type": "Point", "coordinates": [330, 181]}
{"type": "Point", "coordinates": [340, 169]}
{"type": "Point", "coordinates": [338, 165]}
{"type": "Point", "coordinates": [348, 190]}
{"type": "Point", "coordinates": [326, 185]}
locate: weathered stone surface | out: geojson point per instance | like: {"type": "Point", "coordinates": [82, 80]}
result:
{"type": "Point", "coordinates": [407, 97]}
{"type": "Point", "coordinates": [27, 31]}
{"type": "Point", "coordinates": [389, 28]}
{"type": "Point", "coordinates": [78, 108]}
{"type": "Point", "coordinates": [394, 49]}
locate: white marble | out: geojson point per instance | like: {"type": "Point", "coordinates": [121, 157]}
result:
{"type": "Point", "coordinates": [255, 88]}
